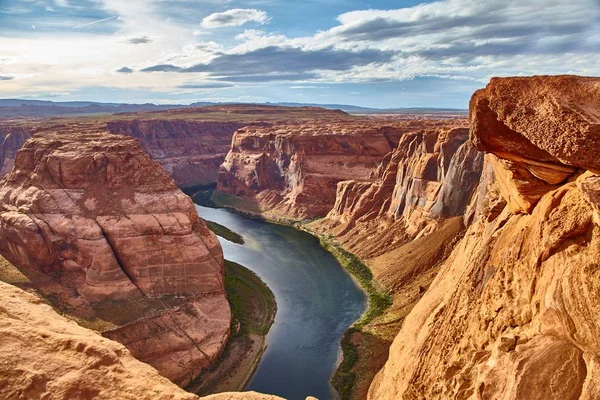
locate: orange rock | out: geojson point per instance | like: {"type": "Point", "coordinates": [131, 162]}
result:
{"type": "Point", "coordinates": [510, 314]}
{"type": "Point", "coordinates": [292, 171]}
{"type": "Point", "coordinates": [89, 217]}
{"type": "Point", "coordinates": [430, 176]}
{"type": "Point", "coordinates": [44, 355]}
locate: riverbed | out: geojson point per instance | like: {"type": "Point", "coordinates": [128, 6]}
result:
{"type": "Point", "coordinates": [316, 302]}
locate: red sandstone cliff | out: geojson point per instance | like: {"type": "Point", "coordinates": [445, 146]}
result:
{"type": "Point", "coordinates": [12, 137]}
{"type": "Point", "coordinates": [190, 151]}
{"type": "Point", "coordinates": [292, 171]}
{"type": "Point", "coordinates": [428, 179]}
{"type": "Point", "coordinates": [511, 313]}
{"type": "Point", "coordinates": [45, 356]}
{"type": "Point", "coordinates": [99, 229]}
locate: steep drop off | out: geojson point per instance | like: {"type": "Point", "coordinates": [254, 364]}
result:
{"type": "Point", "coordinates": [46, 356]}
{"type": "Point", "coordinates": [402, 222]}
{"type": "Point", "coordinates": [12, 138]}
{"type": "Point", "coordinates": [190, 151]}
{"type": "Point", "coordinates": [101, 231]}
{"type": "Point", "coordinates": [512, 312]}
{"type": "Point", "coordinates": [291, 172]}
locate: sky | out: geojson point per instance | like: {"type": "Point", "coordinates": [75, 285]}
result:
{"type": "Point", "coordinates": [376, 53]}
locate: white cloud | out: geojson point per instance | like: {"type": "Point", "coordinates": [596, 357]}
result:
{"type": "Point", "coordinates": [235, 17]}
{"type": "Point", "coordinates": [459, 40]}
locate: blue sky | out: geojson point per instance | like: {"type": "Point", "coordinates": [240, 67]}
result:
{"type": "Point", "coordinates": [375, 53]}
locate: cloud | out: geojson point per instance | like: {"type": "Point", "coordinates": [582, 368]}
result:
{"type": "Point", "coordinates": [142, 39]}
{"type": "Point", "coordinates": [162, 68]}
{"type": "Point", "coordinates": [61, 3]}
{"type": "Point", "coordinates": [279, 63]}
{"type": "Point", "coordinates": [468, 29]}
{"type": "Point", "coordinates": [235, 17]}
{"type": "Point", "coordinates": [125, 70]}
{"type": "Point", "coordinates": [206, 85]}
{"type": "Point", "coordinates": [6, 78]}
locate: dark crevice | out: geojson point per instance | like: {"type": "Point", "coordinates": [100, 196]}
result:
{"type": "Point", "coordinates": [119, 260]}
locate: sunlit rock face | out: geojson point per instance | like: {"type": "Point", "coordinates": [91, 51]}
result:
{"type": "Point", "coordinates": [89, 217]}
{"type": "Point", "coordinates": [12, 137]}
{"type": "Point", "coordinates": [292, 171]}
{"type": "Point", "coordinates": [511, 314]}
{"type": "Point", "coordinates": [428, 179]}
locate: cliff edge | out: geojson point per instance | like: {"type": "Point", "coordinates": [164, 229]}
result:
{"type": "Point", "coordinates": [511, 314]}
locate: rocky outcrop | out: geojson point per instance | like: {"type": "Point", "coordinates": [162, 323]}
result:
{"type": "Point", "coordinates": [46, 356]}
{"type": "Point", "coordinates": [98, 227]}
{"type": "Point", "coordinates": [190, 151]}
{"type": "Point", "coordinates": [426, 180]}
{"type": "Point", "coordinates": [12, 137]}
{"type": "Point", "coordinates": [292, 171]}
{"type": "Point", "coordinates": [511, 314]}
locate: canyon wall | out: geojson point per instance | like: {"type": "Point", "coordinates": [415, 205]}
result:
{"type": "Point", "coordinates": [190, 151]}
{"type": "Point", "coordinates": [12, 137]}
{"type": "Point", "coordinates": [292, 171]}
{"type": "Point", "coordinates": [99, 229]}
{"type": "Point", "coordinates": [511, 314]}
{"type": "Point", "coordinates": [429, 177]}
{"type": "Point", "coordinates": [403, 222]}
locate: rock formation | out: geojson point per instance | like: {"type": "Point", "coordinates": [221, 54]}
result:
{"type": "Point", "coordinates": [12, 137]}
{"type": "Point", "coordinates": [512, 312]}
{"type": "Point", "coordinates": [46, 356]}
{"type": "Point", "coordinates": [292, 171]}
{"type": "Point", "coordinates": [190, 151]}
{"type": "Point", "coordinates": [427, 179]}
{"type": "Point", "coordinates": [98, 227]}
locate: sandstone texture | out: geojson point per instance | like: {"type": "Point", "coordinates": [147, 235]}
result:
{"type": "Point", "coordinates": [512, 312]}
{"type": "Point", "coordinates": [190, 151]}
{"type": "Point", "coordinates": [12, 137]}
{"type": "Point", "coordinates": [427, 179]}
{"type": "Point", "coordinates": [47, 356]}
{"type": "Point", "coordinates": [292, 171]}
{"type": "Point", "coordinates": [97, 226]}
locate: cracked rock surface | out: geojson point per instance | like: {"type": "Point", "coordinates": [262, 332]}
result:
{"type": "Point", "coordinates": [89, 218]}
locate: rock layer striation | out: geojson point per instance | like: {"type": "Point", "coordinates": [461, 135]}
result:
{"type": "Point", "coordinates": [511, 313]}
{"type": "Point", "coordinates": [97, 226]}
{"type": "Point", "coordinates": [292, 171]}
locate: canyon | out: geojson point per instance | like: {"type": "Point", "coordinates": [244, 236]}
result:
{"type": "Point", "coordinates": [483, 234]}
{"type": "Point", "coordinates": [291, 172]}
{"type": "Point", "coordinates": [189, 143]}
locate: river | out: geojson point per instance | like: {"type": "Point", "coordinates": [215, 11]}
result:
{"type": "Point", "coordinates": [316, 302]}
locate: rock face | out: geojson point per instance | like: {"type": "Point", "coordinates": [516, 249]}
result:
{"type": "Point", "coordinates": [12, 137]}
{"type": "Point", "coordinates": [44, 355]}
{"type": "Point", "coordinates": [292, 171]}
{"type": "Point", "coordinates": [190, 151]}
{"type": "Point", "coordinates": [427, 179]}
{"type": "Point", "coordinates": [511, 314]}
{"type": "Point", "coordinates": [89, 218]}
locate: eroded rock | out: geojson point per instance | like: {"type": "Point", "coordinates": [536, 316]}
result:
{"type": "Point", "coordinates": [510, 315]}
{"type": "Point", "coordinates": [90, 218]}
